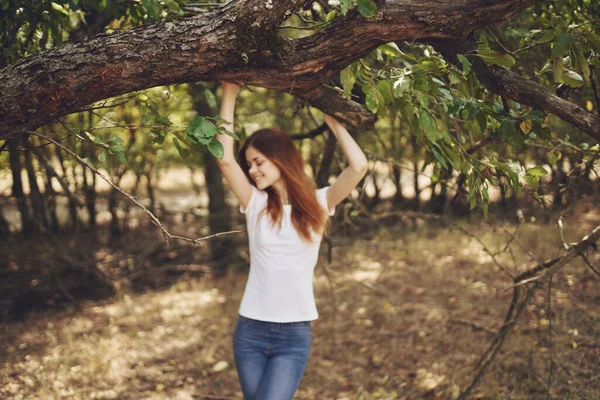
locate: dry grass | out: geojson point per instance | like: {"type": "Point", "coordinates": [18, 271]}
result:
{"type": "Point", "coordinates": [411, 314]}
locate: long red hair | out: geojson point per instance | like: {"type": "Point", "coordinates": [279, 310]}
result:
{"type": "Point", "coordinates": [307, 214]}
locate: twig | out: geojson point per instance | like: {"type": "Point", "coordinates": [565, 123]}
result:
{"type": "Point", "coordinates": [515, 239]}
{"type": "Point", "coordinates": [589, 264]}
{"type": "Point", "coordinates": [167, 236]}
{"type": "Point", "coordinates": [468, 233]}
{"type": "Point", "coordinates": [473, 325]}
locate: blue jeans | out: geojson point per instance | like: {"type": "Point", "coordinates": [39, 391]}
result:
{"type": "Point", "coordinates": [270, 357]}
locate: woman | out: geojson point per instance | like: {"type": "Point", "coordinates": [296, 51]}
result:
{"type": "Point", "coordinates": [286, 217]}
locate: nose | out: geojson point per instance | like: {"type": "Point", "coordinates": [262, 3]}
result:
{"type": "Point", "coordinates": [252, 168]}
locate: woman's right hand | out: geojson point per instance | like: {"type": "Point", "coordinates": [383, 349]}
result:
{"type": "Point", "coordinates": [230, 89]}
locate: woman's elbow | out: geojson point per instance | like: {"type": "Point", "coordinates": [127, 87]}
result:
{"type": "Point", "coordinates": [361, 167]}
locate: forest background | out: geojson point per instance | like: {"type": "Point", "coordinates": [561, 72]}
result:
{"type": "Point", "coordinates": [463, 266]}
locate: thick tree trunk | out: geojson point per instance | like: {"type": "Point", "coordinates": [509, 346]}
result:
{"type": "Point", "coordinates": [238, 42]}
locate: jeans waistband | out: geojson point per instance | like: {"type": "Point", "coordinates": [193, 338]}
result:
{"type": "Point", "coordinates": [275, 325]}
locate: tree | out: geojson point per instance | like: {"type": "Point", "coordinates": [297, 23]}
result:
{"type": "Point", "coordinates": [238, 41]}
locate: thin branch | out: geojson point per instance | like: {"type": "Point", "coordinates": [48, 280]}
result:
{"type": "Point", "coordinates": [468, 233]}
{"type": "Point", "coordinates": [167, 236]}
{"type": "Point", "coordinates": [590, 264]}
{"type": "Point", "coordinates": [473, 325]}
{"type": "Point", "coordinates": [532, 256]}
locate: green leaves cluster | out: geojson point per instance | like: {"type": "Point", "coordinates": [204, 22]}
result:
{"type": "Point", "coordinates": [573, 49]}
{"type": "Point", "coordinates": [202, 132]}
{"type": "Point", "coordinates": [491, 57]}
{"type": "Point", "coordinates": [112, 145]}
{"type": "Point", "coordinates": [32, 26]}
{"type": "Point", "coordinates": [366, 8]}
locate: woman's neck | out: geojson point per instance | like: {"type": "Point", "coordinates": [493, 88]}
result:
{"type": "Point", "coordinates": [281, 191]}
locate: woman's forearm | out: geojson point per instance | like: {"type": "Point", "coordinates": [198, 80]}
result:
{"type": "Point", "coordinates": [353, 153]}
{"type": "Point", "coordinates": [230, 91]}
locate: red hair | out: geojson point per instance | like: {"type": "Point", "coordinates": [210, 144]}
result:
{"type": "Point", "coordinates": [307, 214]}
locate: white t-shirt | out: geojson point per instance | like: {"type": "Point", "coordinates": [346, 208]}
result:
{"type": "Point", "coordinates": [282, 265]}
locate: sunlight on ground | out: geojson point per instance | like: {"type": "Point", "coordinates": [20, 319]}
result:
{"type": "Point", "coordinates": [403, 315]}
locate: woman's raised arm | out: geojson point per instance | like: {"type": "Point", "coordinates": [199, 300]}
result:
{"type": "Point", "coordinates": [357, 163]}
{"type": "Point", "coordinates": [238, 182]}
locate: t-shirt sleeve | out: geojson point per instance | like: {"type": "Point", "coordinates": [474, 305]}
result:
{"type": "Point", "coordinates": [258, 200]}
{"type": "Point", "coordinates": [322, 199]}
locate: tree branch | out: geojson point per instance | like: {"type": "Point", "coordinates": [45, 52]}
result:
{"type": "Point", "coordinates": [237, 42]}
{"type": "Point", "coordinates": [525, 91]}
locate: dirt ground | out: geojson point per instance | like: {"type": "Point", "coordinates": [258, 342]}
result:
{"type": "Point", "coordinates": [405, 313]}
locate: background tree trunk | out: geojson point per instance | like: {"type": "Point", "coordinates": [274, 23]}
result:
{"type": "Point", "coordinates": [14, 148]}
{"type": "Point", "coordinates": [223, 249]}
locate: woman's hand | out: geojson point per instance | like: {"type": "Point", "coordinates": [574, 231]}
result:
{"type": "Point", "coordinates": [230, 89]}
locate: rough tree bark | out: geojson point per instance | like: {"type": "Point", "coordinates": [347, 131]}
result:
{"type": "Point", "coordinates": [237, 42]}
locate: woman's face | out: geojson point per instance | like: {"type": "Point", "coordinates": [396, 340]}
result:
{"type": "Point", "coordinates": [262, 171]}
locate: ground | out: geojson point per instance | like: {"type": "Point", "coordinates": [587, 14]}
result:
{"type": "Point", "coordinates": [405, 313]}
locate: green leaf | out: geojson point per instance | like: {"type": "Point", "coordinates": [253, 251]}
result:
{"type": "Point", "coordinates": [386, 90]}
{"type": "Point", "coordinates": [439, 157]}
{"type": "Point", "coordinates": [121, 156]}
{"type": "Point", "coordinates": [158, 137]}
{"type": "Point", "coordinates": [558, 68]}
{"type": "Point", "coordinates": [201, 131]}
{"type": "Point", "coordinates": [330, 15]}
{"type": "Point", "coordinates": [115, 140]}
{"type": "Point", "coordinates": [367, 8]}
{"type": "Point", "coordinates": [505, 60]}
{"type": "Point", "coordinates": [102, 156]}
{"type": "Point", "coordinates": [348, 79]}
{"type": "Point", "coordinates": [401, 85]}
{"type": "Point", "coordinates": [211, 100]}
{"type": "Point", "coordinates": [593, 38]}
{"type": "Point", "coordinates": [370, 97]}
{"type": "Point", "coordinates": [561, 45]}
{"type": "Point", "coordinates": [572, 79]}
{"type": "Point", "coordinates": [472, 196]}
{"type": "Point", "coordinates": [466, 64]}
{"type": "Point", "coordinates": [533, 181]}
{"type": "Point", "coordinates": [346, 5]}
{"type": "Point", "coordinates": [224, 131]}
{"type": "Point", "coordinates": [216, 148]}
{"type": "Point", "coordinates": [537, 171]}
{"type": "Point", "coordinates": [429, 125]}
{"type": "Point", "coordinates": [183, 153]}
{"type": "Point", "coordinates": [391, 49]}
{"type": "Point", "coordinates": [581, 63]}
